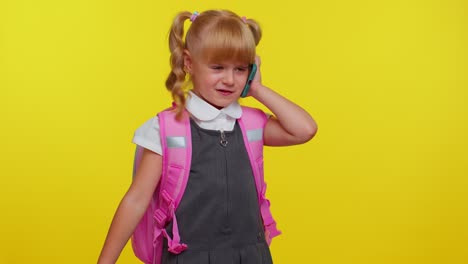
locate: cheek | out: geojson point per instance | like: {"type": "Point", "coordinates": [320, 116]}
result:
{"type": "Point", "coordinates": [212, 77]}
{"type": "Point", "coordinates": [242, 77]}
{"type": "Point", "coordinates": [202, 79]}
{"type": "Point", "coordinates": [243, 81]}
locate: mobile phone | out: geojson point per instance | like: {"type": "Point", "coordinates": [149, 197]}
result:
{"type": "Point", "coordinates": [253, 70]}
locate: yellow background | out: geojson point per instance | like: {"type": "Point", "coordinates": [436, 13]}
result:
{"type": "Point", "coordinates": [384, 180]}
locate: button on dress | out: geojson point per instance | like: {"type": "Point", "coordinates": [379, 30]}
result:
{"type": "Point", "coordinates": [219, 217]}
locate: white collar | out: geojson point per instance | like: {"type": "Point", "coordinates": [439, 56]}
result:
{"type": "Point", "coordinates": [203, 111]}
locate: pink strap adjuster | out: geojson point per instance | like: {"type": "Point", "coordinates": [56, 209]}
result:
{"type": "Point", "coordinates": [174, 245]}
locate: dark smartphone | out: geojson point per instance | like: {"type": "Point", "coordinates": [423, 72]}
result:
{"type": "Point", "coordinates": [253, 70]}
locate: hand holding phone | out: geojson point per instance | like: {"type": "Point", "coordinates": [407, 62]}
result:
{"type": "Point", "coordinates": [253, 70]}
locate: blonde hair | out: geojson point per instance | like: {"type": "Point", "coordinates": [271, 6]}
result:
{"type": "Point", "coordinates": [215, 35]}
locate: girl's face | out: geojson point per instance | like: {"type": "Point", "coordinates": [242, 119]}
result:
{"type": "Point", "coordinates": [218, 83]}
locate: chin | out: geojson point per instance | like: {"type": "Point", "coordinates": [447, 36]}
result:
{"type": "Point", "coordinates": [219, 104]}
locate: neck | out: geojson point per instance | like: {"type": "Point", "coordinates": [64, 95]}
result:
{"type": "Point", "coordinates": [204, 99]}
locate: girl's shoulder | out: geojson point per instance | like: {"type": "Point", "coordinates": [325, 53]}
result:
{"type": "Point", "coordinates": [253, 113]}
{"type": "Point", "coordinates": [148, 135]}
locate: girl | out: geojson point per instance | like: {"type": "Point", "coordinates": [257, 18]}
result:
{"type": "Point", "coordinates": [216, 55]}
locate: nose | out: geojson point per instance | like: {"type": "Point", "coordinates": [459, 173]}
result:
{"type": "Point", "coordinates": [228, 78]}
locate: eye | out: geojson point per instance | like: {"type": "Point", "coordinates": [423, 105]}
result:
{"type": "Point", "coordinates": [242, 69]}
{"type": "Point", "coordinates": [216, 67]}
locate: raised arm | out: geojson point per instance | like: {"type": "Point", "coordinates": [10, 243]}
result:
{"type": "Point", "coordinates": [132, 207]}
{"type": "Point", "coordinates": [290, 124]}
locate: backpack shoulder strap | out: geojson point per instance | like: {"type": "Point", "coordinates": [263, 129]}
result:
{"type": "Point", "coordinates": [252, 123]}
{"type": "Point", "coordinates": [177, 155]}
{"type": "Point", "coordinates": [147, 238]}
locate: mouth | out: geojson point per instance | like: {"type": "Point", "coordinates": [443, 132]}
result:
{"type": "Point", "coordinates": [224, 92]}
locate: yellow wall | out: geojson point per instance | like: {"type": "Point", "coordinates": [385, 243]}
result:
{"type": "Point", "coordinates": [384, 181]}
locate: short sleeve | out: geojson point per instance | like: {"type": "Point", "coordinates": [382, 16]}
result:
{"type": "Point", "coordinates": [148, 136]}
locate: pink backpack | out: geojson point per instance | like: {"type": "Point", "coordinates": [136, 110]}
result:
{"type": "Point", "coordinates": [147, 239]}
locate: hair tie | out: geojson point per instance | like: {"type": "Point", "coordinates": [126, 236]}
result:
{"type": "Point", "coordinates": [244, 19]}
{"type": "Point", "coordinates": [194, 16]}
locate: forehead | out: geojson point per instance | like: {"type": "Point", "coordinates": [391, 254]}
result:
{"type": "Point", "coordinates": [220, 60]}
{"type": "Point", "coordinates": [232, 63]}
{"type": "Point", "coordinates": [225, 56]}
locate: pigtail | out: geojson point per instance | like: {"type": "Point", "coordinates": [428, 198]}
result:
{"type": "Point", "coordinates": [176, 79]}
{"type": "Point", "coordinates": [255, 29]}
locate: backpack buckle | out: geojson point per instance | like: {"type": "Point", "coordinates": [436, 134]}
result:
{"type": "Point", "coordinates": [166, 197]}
{"type": "Point", "coordinates": [160, 217]}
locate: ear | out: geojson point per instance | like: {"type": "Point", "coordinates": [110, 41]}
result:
{"type": "Point", "coordinates": [187, 62]}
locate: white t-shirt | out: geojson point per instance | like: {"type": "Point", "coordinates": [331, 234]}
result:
{"type": "Point", "coordinates": [204, 114]}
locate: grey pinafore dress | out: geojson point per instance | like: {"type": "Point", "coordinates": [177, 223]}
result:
{"type": "Point", "coordinates": [219, 217]}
